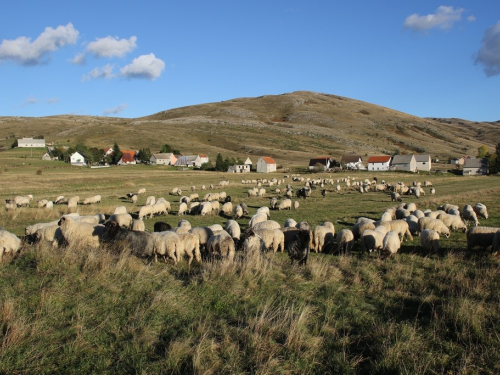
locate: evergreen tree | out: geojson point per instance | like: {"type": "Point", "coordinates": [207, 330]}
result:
{"type": "Point", "coordinates": [495, 160]}
{"type": "Point", "coordinates": [144, 155]}
{"type": "Point", "coordinates": [219, 163]}
{"type": "Point", "coordinates": [117, 154]}
{"type": "Point", "coordinates": [166, 149]}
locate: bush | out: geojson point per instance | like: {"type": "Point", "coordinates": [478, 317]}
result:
{"type": "Point", "coordinates": [39, 172]}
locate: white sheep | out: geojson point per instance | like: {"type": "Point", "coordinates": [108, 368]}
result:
{"type": "Point", "coordinates": [257, 218]}
{"type": "Point", "coordinates": [429, 240]}
{"type": "Point", "coordinates": [434, 224]}
{"type": "Point", "coordinates": [138, 225]}
{"type": "Point", "coordinates": [453, 222]}
{"type": "Point", "coordinates": [289, 223]}
{"type": "Point", "coordinates": [322, 236]}
{"type": "Point", "coordinates": [233, 228]}
{"type": "Point", "coordinates": [134, 198]}
{"type": "Point", "coordinates": [189, 246]}
{"type": "Point", "coordinates": [238, 211]}
{"type": "Point", "coordinates": [432, 191]}
{"type": "Point", "coordinates": [150, 200]}
{"type": "Point", "coordinates": [359, 227]}
{"type": "Point", "coordinates": [203, 233]}
{"type": "Point", "coordinates": [221, 246]}
{"type": "Point", "coordinates": [183, 209]}
{"type": "Point", "coordinates": [373, 240]}
{"type": "Point", "coordinates": [412, 221]}
{"type": "Point", "coordinates": [42, 203]}
{"type": "Point", "coordinates": [480, 236]}
{"type": "Point", "coordinates": [401, 227]}
{"type": "Point", "coordinates": [183, 226]}
{"type": "Point", "coordinates": [274, 239]}
{"type": "Point", "coordinates": [481, 210]}
{"type": "Point", "coordinates": [50, 233]}
{"type": "Point", "coordinates": [273, 203]}
{"type": "Point", "coordinates": [434, 214]}
{"type": "Point", "coordinates": [392, 243]}
{"type": "Point", "coordinates": [205, 208]}
{"type": "Point", "coordinates": [296, 205]}
{"type": "Point", "coordinates": [227, 209]}
{"type": "Point", "coordinates": [61, 199]}
{"type": "Point", "coordinates": [159, 208]}
{"type": "Point", "coordinates": [470, 215]}
{"type": "Point", "coordinates": [9, 243]}
{"type": "Point", "coordinates": [253, 244]}
{"type": "Point", "coordinates": [92, 200]}
{"type": "Point", "coordinates": [120, 210]}
{"type": "Point", "coordinates": [144, 211]}
{"type": "Point", "coordinates": [345, 241]}
{"type": "Point", "coordinates": [81, 234]}
{"type": "Point", "coordinates": [285, 204]}
{"type": "Point", "coordinates": [141, 191]}
{"type": "Point", "coordinates": [264, 210]}
{"type": "Point", "coordinates": [166, 244]}
{"type": "Point", "coordinates": [123, 220]}
{"type": "Point", "coordinates": [268, 224]}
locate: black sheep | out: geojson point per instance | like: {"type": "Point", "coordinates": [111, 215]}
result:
{"type": "Point", "coordinates": [161, 226]}
{"type": "Point", "coordinates": [297, 244]}
{"type": "Point", "coordinates": [139, 243]}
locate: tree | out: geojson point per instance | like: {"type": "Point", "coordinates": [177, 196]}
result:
{"type": "Point", "coordinates": [144, 155]}
{"type": "Point", "coordinates": [166, 149]}
{"type": "Point", "coordinates": [117, 154]}
{"type": "Point", "coordinates": [482, 152]}
{"type": "Point", "coordinates": [495, 160]}
{"type": "Point", "coordinates": [219, 163]}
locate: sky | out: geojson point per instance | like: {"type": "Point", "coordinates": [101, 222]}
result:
{"type": "Point", "coordinates": [136, 58]}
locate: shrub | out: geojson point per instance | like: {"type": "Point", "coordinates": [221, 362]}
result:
{"type": "Point", "coordinates": [39, 172]}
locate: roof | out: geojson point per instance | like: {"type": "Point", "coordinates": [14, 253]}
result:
{"type": "Point", "coordinates": [32, 141]}
{"type": "Point", "coordinates": [182, 160]}
{"type": "Point", "coordinates": [268, 160]}
{"type": "Point", "coordinates": [319, 159]}
{"type": "Point", "coordinates": [422, 158]}
{"type": "Point", "coordinates": [203, 156]}
{"type": "Point", "coordinates": [402, 159]}
{"type": "Point", "coordinates": [167, 155]}
{"type": "Point", "coordinates": [128, 156]}
{"type": "Point", "coordinates": [379, 159]}
{"type": "Point", "coordinates": [476, 163]}
{"type": "Point", "coordinates": [351, 159]}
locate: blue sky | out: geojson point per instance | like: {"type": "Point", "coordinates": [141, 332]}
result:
{"type": "Point", "coordinates": [135, 58]}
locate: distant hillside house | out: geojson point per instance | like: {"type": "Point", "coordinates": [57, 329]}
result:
{"type": "Point", "coordinates": [352, 162]}
{"type": "Point", "coordinates": [128, 158]}
{"type": "Point", "coordinates": [266, 164]}
{"type": "Point", "coordinates": [108, 151]}
{"type": "Point", "coordinates": [163, 158]}
{"type": "Point", "coordinates": [239, 168]}
{"type": "Point", "coordinates": [203, 158]}
{"type": "Point", "coordinates": [424, 162]}
{"type": "Point", "coordinates": [458, 161]}
{"type": "Point", "coordinates": [188, 161]}
{"type": "Point", "coordinates": [30, 142]}
{"type": "Point", "coordinates": [379, 163]}
{"type": "Point", "coordinates": [473, 167]}
{"type": "Point", "coordinates": [320, 163]}
{"type": "Point", "coordinates": [47, 156]}
{"type": "Point", "coordinates": [404, 163]}
{"type": "Point", "coordinates": [77, 159]}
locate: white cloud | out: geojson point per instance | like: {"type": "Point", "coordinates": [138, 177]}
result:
{"type": "Point", "coordinates": [471, 18]}
{"type": "Point", "coordinates": [25, 52]}
{"type": "Point", "coordinates": [106, 72]}
{"type": "Point", "coordinates": [443, 18]}
{"type": "Point", "coordinates": [114, 111]}
{"type": "Point", "coordinates": [489, 53]}
{"type": "Point", "coordinates": [79, 59]}
{"type": "Point", "coordinates": [144, 67]}
{"type": "Point", "coordinates": [111, 47]}
{"type": "Point", "coordinates": [30, 100]}
{"type": "Point", "coordinates": [52, 100]}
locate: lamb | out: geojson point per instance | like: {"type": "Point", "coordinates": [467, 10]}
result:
{"type": "Point", "coordinates": [453, 222]}
{"type": "Point", "coordinates": [399, 226]}
{"type": "Point", "coordinates": [190, 247]}
{"type": "Point", "coordinates": [203, 233]}
{"type": "Point", "coordinates": [227, 209]}
{"type": "Point", "coordinates": [233, 228]}
{"type": "Point", "coordinates": [92, 200]}
{"type": "Point", "coordinates": [257, 218]}
{"type": "Point", "coordinates": [274, 239]}
{"type": "Point", "coordinates": [81, 233]}
{"type": "Point", "coordinates": [123, 220]}
{"type": "Point", "coordinates": [221, 246]}
{"type": "Point", "coordinates": [297, 243]}
{"type": "Point", "coordinates": [9, 243]}
{"type": "Point", "coordinates": [470, 215]}
{"type": "Point", "coordinates": [481, 210]}
{"type": "Point", "coordinates": [480, 236]}
{"type": "Point", "coordinates": [161, 226]}
{"type": "Point", "coordinates": [238, 211]}
{"type": "Point", "coordinates": [345, 241]}
{"type": "Point", "coordinates": [392, 243]}
{"type": "Point", "coordinates": [434, 224]}
{"type": "Point", "coordinates": [429, 240]}
{"type": "Point", "coordinates": [323, 236]}
{"type": "Point", "coordinates": [432, 191]}
{"type": "Point", "coordinates": [285, 204]}
{"type": "Point", "coordinates": [268, 224]}
{"type": "Point", "coordinates": [373, 240]}
{"type": "Point", "coordinates": [138, 225]}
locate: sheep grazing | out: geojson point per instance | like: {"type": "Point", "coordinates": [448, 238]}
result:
{"type": "Point", "coordinates": [253, 243]}
{"type": "Point", "coordinates": [453, 222]}
{"type": "Point", "coordinates": [399, 226]}
{"type": "Point", "coordinates": [60, 200]}
{"type": "Point", "coordinates": [123, 220]}
{"type": "Point", "coordinates": [221, 246]}
{"type": "Point", "coordinates": [392, 243]}
{"type": "Point", "coordinates": [481, 210]}
{"type": "Point", "coordinates": [285, 204]}
{"type": "Point", "coordinates": [205, 208]}
{"type": "Point", "coordinates": [257, 218]}
{"type": "Point", "coordinates": [273, 203]}
{"type": "Point", "coordinates": [345, 241]}
{"type": "Point", "coordinates": [480, 236]}
{"type": "Point", "coordinates": [432, 191]}
{"type": "Point", "coordinates": [296, 205]}
{"type": "Point", "coordinates": [227, 209]}
{"type": "Point", "coordinates": [470, 215]}
{"type": "Point", "coordinates": [233, 228]}
{"type": "Point", "coordinates": [138, 225]}
{"type": "Point", "coordinates": [361, 226]}
{"type": "Point", "coordinates": [51, 234]}
{"type": "Point", "coordinates": [274, 239]}
{"type": "Point", "coordinates": [396, 197]}
{"type": "Point", "coordinates": [238, 211]}
{"type": "Point", "coordinates": [161, 226]}
{"type": "Point", "coordinates": [290, 223]}
{"type": "Point", "coordinates": [264, 210]}
{"type": "Point", "coordinates": [203, 233]}
{"type": "Point", "coordinates": [150, 200]}
{"type": "Point", "coordinates": [140, 244]}
{"type": "Point", "coordinates": [373, 240]}
{"type": "Point", "coordinates": [297, 243]}
{"type": "Point", "coordinates": [120, 210]}
{"type": "Point", "coordinates": [190, 247]}
{"type": "Point", "coordinates": [141, 191]}
{"type": "Point", "coordinates": [429, 240]}
{"type": "Point", "coordinates": [9, 243]}
{"type": "Point", "coordinates": [434, 224]}
{"type": "Point", "coordinates": [323, 236]}
{"type": "Point", "coordinates": [166, 244]}
{"type": "Point", "coordinates": [81, 233]}
{"type": "Point", "coordinates": [92, 200]}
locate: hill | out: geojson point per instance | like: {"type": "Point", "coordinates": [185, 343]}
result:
{"type": "Point", "coordinates": [289, 127]}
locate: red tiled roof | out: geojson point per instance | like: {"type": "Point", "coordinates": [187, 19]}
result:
{"type": "Point", "coordinates": [128, 156]}
{"type": "Point", "coordinates": [203, 156]}
{"type": "Point", "coordinates": [379, 159]}
{"type": "Point", "coordinates": [268, 160]}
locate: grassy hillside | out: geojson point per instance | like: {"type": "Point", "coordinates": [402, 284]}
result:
{"type": "Point", "coordinates": [77, 310]}
{"type": "Point", "coordinates": [290, 127]}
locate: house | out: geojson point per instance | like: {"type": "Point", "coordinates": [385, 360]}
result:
{"type": "Point", "coordinates": [320, 163]}
{"type": "Point", "coordinates": [266, 164]}
{"type": "Point", "coordinates": [108, 151]}
{"type": "Point", "coordinates": [352, 162]}
{"type": "Point", "coordinates": [128, 157]}
{"type": "Point", "coordinates": [30, 142]}
{"type": "Point", "coordinates": [77, 159]}
{"type": "Point", "coordinates": [457, 161]}
{"type": "Point", "coordinates": [424, 162]}
{"type": "Point", "coordinates": [163, 158]}
{"type": "Point", "coordinates": [188, 161]}
{"type": "Point", "coordinates": [473, 167]}
{"type": "Point", "coordinates": [239, 168]}
{"type": "Point", "coordinates": [47, 156]}
{"type": "Point", "coordinates": [379, 163]}
{"type": "Point", "coordinates": [404, 163]}
{"type": "Point", "coordinates": [203, 158]}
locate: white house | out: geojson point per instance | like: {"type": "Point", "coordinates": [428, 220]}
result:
{"type": "Point", "coordinates": [239, 168]}
{"type": "Point", "coordinates": [188, 161]}
{"type": "Point", "coordinates": [77, 159]}
{"type": "Point", "coordinates": [266, 164]}
{"type": "Point", "coordinates": [163, 158]}
{"type": "Point", "coordinates": [404, 163]}
{"type": "Point", "coordinates": [379, 163]}
{"type": "Point", "coordinates": [352, 162]}
{"type": "Point", "coordinates": [30, 142]}
{"type": "Point", "coordinates": [473, 166]}
{"type": "Point", "coordinates": [203, 158]}
{"type": "Point", "coordinates": [424, 162]}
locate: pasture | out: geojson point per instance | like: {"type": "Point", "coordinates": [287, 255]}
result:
{"type": "Point", "coordinates": [94, 311]}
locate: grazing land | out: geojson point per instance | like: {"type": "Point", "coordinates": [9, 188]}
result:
{"type": "Point", "coordinates": [78, 310]}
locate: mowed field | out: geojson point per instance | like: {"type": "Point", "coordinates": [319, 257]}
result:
{"type": "Point", "coordinates": [77, 310]}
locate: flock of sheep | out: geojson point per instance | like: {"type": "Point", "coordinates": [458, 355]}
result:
{"type": "Point", "coordinates": [121, 230]}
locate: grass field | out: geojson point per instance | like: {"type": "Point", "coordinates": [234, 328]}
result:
{"type": "Point", "coordinates": [76, 310]}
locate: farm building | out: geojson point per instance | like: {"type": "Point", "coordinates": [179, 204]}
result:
{"type": "Point", "coordinates": [203, 158]}
{"type": "Point", "coordinates": [404, 163]}
{"type": "Point", "coordinates": [320, 163]}
{"type": "Point", "coordinates": [379, 163]}
{"type": "Point", "coordinates": [239, 168]}
{"type": "Point", "coordinates": [458, 161]}
{"type": "Point", "coordinates": [474, 166]}
{"type": "Point", "coordinates": [77, 159]}
{"type": "Point", "coordinates": [424, 162]}
{"type": "Point", "coordinates": [127, 158]}
{"type": "Point", "coordinates": [30, 142]}
{"type": "Point", "coordinates": [163, 158]}
{"type": "Point", "coordinates": [266, 164]}
{"type": "Point", "coordinates": [188, 161]}
{"type": "Point", "coordinates": [352, 162]}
